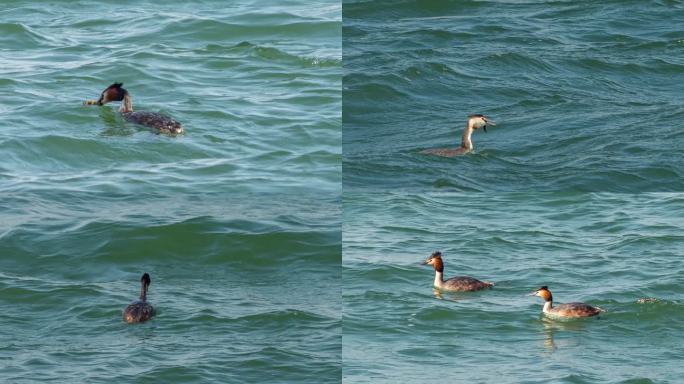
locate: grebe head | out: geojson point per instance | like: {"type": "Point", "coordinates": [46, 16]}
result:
{"type": "Point", "coordinates": [145, 279]}
{"type": "Point", "coordinates": [113, 93]}
{"type": "Point", "coordinates": [436, 261]}
{"type": "Point", "coordinates": [144, 285]}
{"type": "Point", "coordinates": [480, 121]}
{"type": "Point", "coordinates": [543, 292]}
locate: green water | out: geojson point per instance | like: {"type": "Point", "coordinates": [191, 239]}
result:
{"type": "Point", "coordinates": [586, 94]}
{"type": "Point", "coordinates": [603, 249]}
{"type": "Point", "coordinates": [242, 221]}
{"type": "Point", "coordinates": [577, 187]}
{"type": "Point", "coordinates": [237, 220]}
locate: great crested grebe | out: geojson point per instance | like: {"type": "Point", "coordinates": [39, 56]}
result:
{"type": "Point", "coordinates": [454, 284]}
{"type": "Point", "coordinates": [140, 310]}
{"type": "Point", "coordinates": [158, 121]}
{"type": "Point", "coordinates": [474, 122]}
{"type": "Point", "coordinates": [567, 311]}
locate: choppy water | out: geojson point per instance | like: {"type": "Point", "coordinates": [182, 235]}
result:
{"type": "Point", "coordinates": [605, 249]}
{"type": "Point", "coordinates": [587, 94]}
{"type": "Point", "coordinates": [237, 221]}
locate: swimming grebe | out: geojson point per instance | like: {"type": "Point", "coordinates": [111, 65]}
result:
{"type": "Point", "coordinates": [569, 310]}
{"type": "Point", "coordinates": [158, 121]}
{"type": "Point", "coordinates": [474, 122]}
{"type": "Point", "coordinates": [454, 284]}
{"type": "Point", "coordinates": [140, 310]}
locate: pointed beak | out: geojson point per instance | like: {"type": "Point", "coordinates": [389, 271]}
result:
{"type": "Point", "coordinates": [533, 293]}
{"type": "Point", "coordinates": [424, 262]}
{"type": "Point", "coordinates": [491, 122]}
{"type": "Point", "coordinates": [91, 102]}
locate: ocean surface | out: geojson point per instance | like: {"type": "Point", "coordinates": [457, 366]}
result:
{"type": "Point", "coordinates": [587, 95]}
{"type": "Point", "coordinates": [604, 249]}
{"type": "Point", "coordinates": [237, 221]}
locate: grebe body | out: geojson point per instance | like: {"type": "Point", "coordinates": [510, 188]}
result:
{"type": "Point", "coordinates": [475, 122]}
{"type": "Point", "coordinates": [140, 311]}
{"type": "Point", "coordinates": [454, 284]}
{"type": "Point", "coordinates": [158, 121]}
{"type": "Point", "coordinates": [564, 311]}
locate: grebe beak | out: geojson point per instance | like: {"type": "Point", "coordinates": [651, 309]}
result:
{"type": "Point", "coordinates": [490, 122]}
{"type": "Point", "coordinates": [533, 293]}
{"type": "Point", "coordinates": [91, 102]}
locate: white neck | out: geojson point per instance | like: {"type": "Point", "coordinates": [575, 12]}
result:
{"type": "Point", "coordinates": [126, 104]}
{"type": "Point", "coordinates": [547, 306]}
{"type": "Point", "coordinates": [465, 140]}
{"type": "Point", "coordinates": [438, 279]}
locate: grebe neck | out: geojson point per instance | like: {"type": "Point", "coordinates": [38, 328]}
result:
{"type": "Point", "coordinates": [465, 140]}
{"type": "Point", "coordinates": [439, 279]}
{"type": "Point", "coordinates": [143, 291]}
{"type": "Point", "coordinates": [126, 104]}
{"type": "Point", "coordinates": [547, 306]}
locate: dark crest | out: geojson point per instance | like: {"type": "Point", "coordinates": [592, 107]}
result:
{"type": "Point", "coordinates": [146, 279]}
{"type": "Point", "coordinates": [544, 288]}
{"type": "Point", "coordinates": [436, 254]}
{"type": "Point", "coordinates": [476, 115]}
{"type": "Point", "coordinates": [112, 93]}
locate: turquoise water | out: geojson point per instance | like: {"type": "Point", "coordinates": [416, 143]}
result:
{"type": "Point", "coordinates": [604, 249]}
{"type": "Point", "coordinates": [241, 220]}
{"type": "Point", "coordinates": [237, 220]}
{"type": "Point", "coordinates": [587, 94]}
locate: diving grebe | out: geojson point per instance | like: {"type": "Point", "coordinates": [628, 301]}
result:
{"type": "Point", "coordinates": [474, 122]}
{"type": "Point", "coordinates": [154, 120]}
{"type": "Point", "coordinates": [140, 310]}
{"type": "Point", "coordinates": [569, 310]}
{"type": "Point", "coordinates": [455, 284]}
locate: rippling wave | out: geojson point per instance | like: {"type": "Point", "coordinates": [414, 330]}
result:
{"type": "Point", "coordinates": [218, 284]}
{"type": "Point", "coordinates": [586, 95]}
{"type": "Point", "coordinates": [609, 250]}
{"type": "Point", "coordinates": [237, 220]}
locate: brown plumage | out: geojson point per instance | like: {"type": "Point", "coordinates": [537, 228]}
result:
{"type": "Point", "coordinates": [454, 284]}
{"type": "Point", "coordinates": [474, 122]}
{"type": "Point", "coordinates": [568, 310]}
{"type": "Point", "coordinates": [140, 310]}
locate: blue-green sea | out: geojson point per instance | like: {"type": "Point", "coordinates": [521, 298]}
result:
{"type": "Point", "coordinates": [587, 94]}
{"type": "Point", "coordinates": [284, 230]}
{"type": "Point", "coordinates": [604, 249]}
{"type": "Point", "coordinates": [237, 221]}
